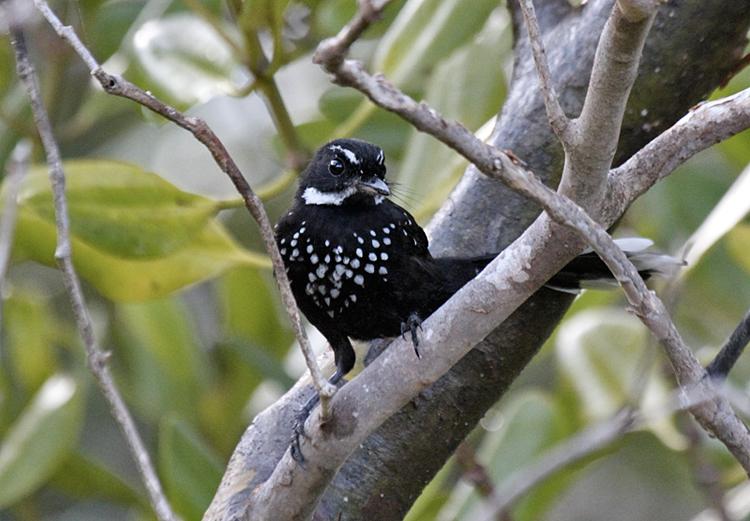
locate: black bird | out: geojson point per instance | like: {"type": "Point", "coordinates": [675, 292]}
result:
{"type": "Point", "coordinates": [359, 264]}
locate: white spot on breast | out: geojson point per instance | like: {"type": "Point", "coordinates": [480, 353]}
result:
{"type": "Point", "coordinates": [330, 313]}
{"type": "Point", "coordinates": [359, 280]}
{"type": "Point", "coordinates": [359, 252]}
{"type": "Point", "coordinates": [340, 269]}
{"type": "Point", "coordinates": [355, 263]}
{"type": "Point", "coordinates": [327, 301]}
{"type": "Point", "coordinates": [334, 293]}
{"type": "Point", "coordinates": [322, 289]}
{"type": "Point", "coordinates": [302, 230]}
{"type": "Point", "coordinates": [311, 277]}
{"type": "Point", "coordinates": [369, 268]}
{"type": "Point", "coordinates": [375, 244]}
{"type": "Point", "coordinates": [392, 225]}
{"type": "Point", "coordinates": [293, 243]}
{"type": "Point", "coordinates": [372, 232]}
{"type": "Point", "coordinates": [372, 257]}
{"type": "Point", "coordinates": [384, 256]}
{"type": "Point", "coordinates": [296, 235]}
{"type": "Point", "coordinates": [314, 258]}
{"type": "Point", "coordinates": [353, 297]}
{"type": "Point", "coordinates": [282, 241]}
{"type": "Point", "coordinates": [349, 274]}
{"type": "Point", "coordinates": [386, 230]}
{"type": "Point", "coordinates": [387, 241]}
{"type": "Point", "coordinates": [360, 240]}
{"type": "Point", "coordinates": [309, 289]}
{"type": "Point", "coordinates": [295, 254]}
{"type": "Point", "coordinates": [310, 248]}
{"type": "Point", "coordinates": [327, 243]}
{"type": "Point", "coordinates": [282, 251]}
{"type": "Point", "coordinates": [383, 271]}
{"type": "Point", "coordinates": [321, 271]}
{"type": "Point", "coordinates": [327, 258]}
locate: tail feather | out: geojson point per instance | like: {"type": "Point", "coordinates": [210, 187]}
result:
{"type": "Point", "coordinates": [589, 271]}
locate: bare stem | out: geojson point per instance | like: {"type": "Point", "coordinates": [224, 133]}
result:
{"type": "Point", "coordinates": [118, 86]}
{"type": "Point", "coordinates": [557, 118]}
{"type": "Point", "coordinates": [97, 359]}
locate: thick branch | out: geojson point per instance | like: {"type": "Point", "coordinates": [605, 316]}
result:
{"type": "Point", "coordinates": [97, 359]}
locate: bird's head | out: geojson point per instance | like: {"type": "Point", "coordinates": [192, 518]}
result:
{"type": "Point", "coordinates": [345, 171]}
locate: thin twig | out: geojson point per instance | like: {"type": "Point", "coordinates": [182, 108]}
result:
{"type": "Point", "coordinates": [585, 443]}
{"type": "Point", "coordinates": [118, 86]}
{"type": "Point", "coordinates": [732, 349]}
{"type": "Point", "coordinates": [476, 474]}
{"type": "Point", "coordinates": [15, 173]}
{"type": "Point", "coordinates": [566, 453]}
{"type": "Point", "coordinates": [705, 474]}
{"type": "Point", "coordinates": [558, 120]}
{"type": "Point", "coordinates": [97, 359]}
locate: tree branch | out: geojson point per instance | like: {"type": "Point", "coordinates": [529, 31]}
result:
{"type": "Point", "coordinates": [118, 86]}
{"type": "Point", "coordinates": [491, 162]}
{"type": "Point", "coordinates": [97, 359]}
{"type": "Point", "coordinates": [732, 350]}
{"type": "Point", "coordinates": [558, 120]}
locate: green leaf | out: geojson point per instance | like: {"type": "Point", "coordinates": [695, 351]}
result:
{"type": "Point", "coordinates": [531, 423]}
{"type": "Point", "coordinates": [252, 310]}
{"type": "Point", "coordinates": [737, 244]}
{"type": "Point", "coordinates": [40, 439]}
{"type": "Point", "coordinates": [601, 355]}
{"type": "Point", "coordinates": [468, 87]}
{"type": "Point", "coordinates": [183, 59]}
{"type": "Point", "coordinates": [208, 254]}
{"type": "Point", "coordinates": [423, 33]}
{"type": "Point", "coordinates": [84, 478]}
{"type": "Point", "coordinates": [191, 471]}
{"type": "Point", "coordinates": [31, 330]}
{"type": "Point", "coordinates": [168, 369]}
{"type": "Point", "coordinates": [119, 208]}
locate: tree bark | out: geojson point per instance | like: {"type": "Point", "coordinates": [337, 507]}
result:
{"type": "Point", "coordinates": [691, 49]}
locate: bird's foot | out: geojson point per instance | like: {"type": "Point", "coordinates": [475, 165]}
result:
{"type": "Point", "coordinates": [298, 429]}
{"type": "Point", "coordinates": [412, 324]}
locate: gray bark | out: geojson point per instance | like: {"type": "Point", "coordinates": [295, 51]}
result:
{"type": "Point", "coordinates": [692, 47]}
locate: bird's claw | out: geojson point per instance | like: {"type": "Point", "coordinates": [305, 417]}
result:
{"type": "Point", "coordinates": [298, 429]}
{"type": "Point", "coordinates": [412, 324]}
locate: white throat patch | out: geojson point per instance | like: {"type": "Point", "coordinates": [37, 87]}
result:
{"type": "Point", "coordinates": [314, 196]}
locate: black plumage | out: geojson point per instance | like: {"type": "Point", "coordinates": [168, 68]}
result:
{"type": "Point", "coordinates": [359, 264]}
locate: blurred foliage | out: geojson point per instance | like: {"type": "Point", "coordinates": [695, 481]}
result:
{"type": "Point", "coordinates": [180, 290]}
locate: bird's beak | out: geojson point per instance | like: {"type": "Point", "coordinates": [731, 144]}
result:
{"type": "Point", "coordinates": [373, 186]}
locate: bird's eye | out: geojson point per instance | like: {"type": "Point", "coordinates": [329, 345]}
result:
{"type": "Point", "coordinates": [336, 167]}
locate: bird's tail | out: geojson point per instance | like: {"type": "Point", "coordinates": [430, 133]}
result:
{"type": "Point", "coordinates": [589, 271]}
{"type": "Point", "coordinates": [584, 272]}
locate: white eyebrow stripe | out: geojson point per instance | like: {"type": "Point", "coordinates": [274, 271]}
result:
{"type": "Point", "coordinates": [314, 196]}
{"type": "Point", "coordinates": [351, 156]}
{"type": "Point", "coordinates": [381, 157]}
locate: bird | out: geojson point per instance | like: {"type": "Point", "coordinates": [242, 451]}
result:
{"type": "Point", "coordinates": [360, 267]}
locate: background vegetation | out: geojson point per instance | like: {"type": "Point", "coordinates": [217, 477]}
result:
{"type": "Point", "coordinates": [182, 294]}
